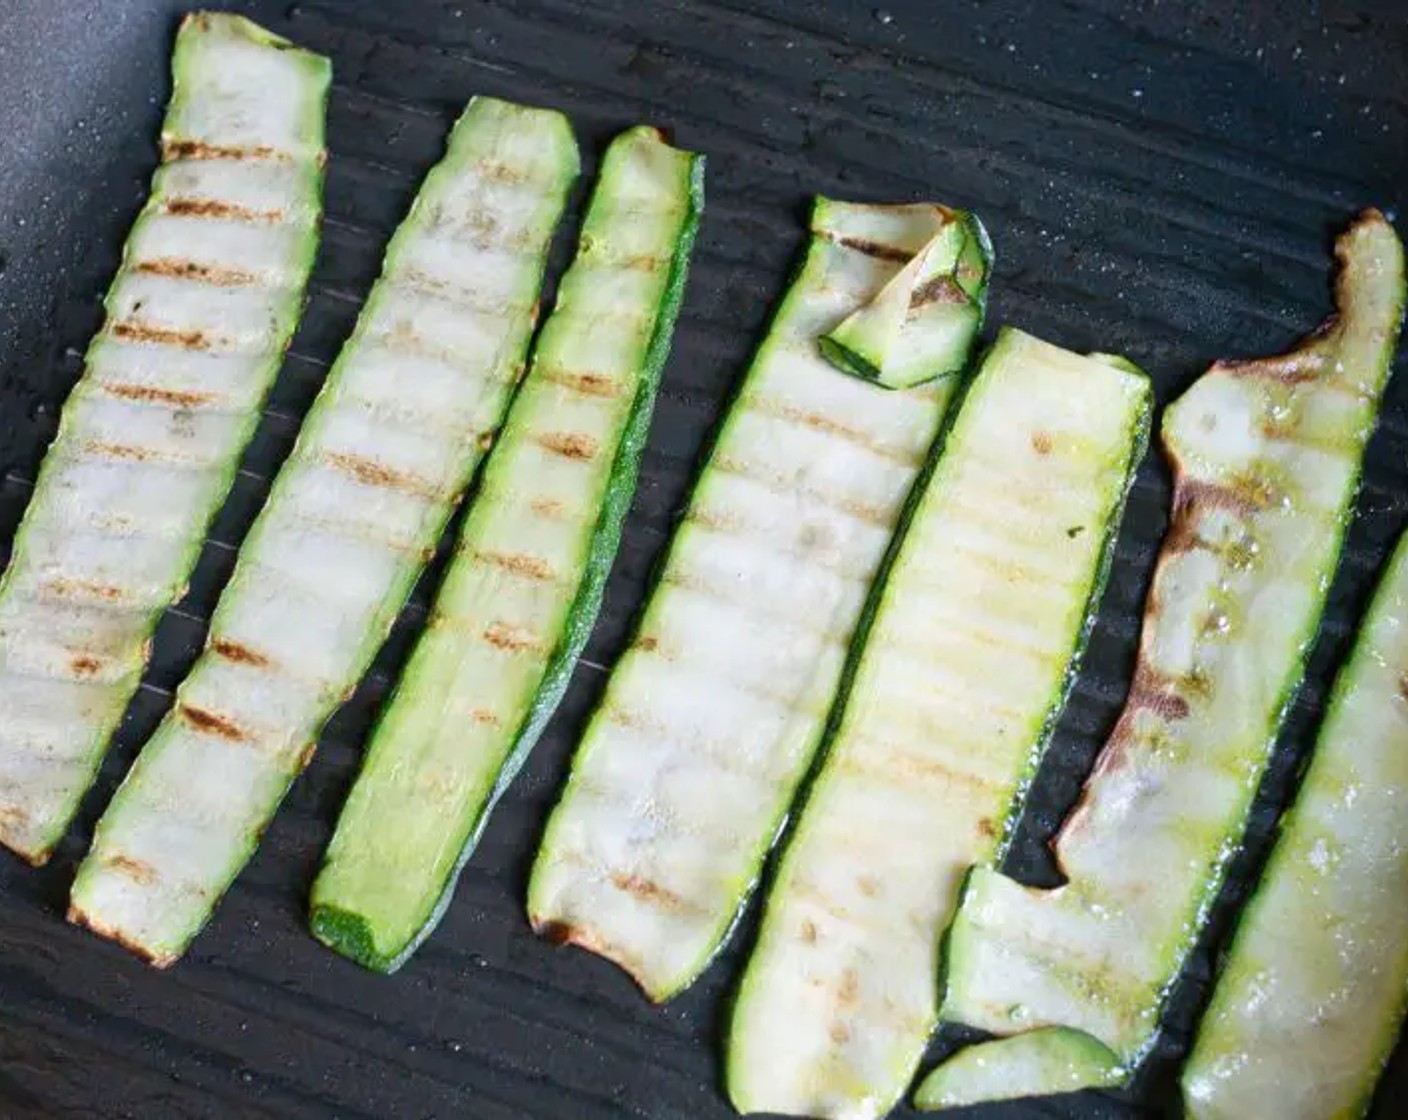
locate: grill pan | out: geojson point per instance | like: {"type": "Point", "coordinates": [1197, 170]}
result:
{"type": "Point", "coordinates": [1160, 180]}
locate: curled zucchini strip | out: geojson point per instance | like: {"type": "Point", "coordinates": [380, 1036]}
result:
{"type": "Point", "coordinates": [924, 322]}
{"type": "Point", "coordinates": [198, 318]}
{"type": "Point", "coordinates": [1267, 456]}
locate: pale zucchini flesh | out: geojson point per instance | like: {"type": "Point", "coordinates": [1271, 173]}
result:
{"type": "Point", "coordinates": [1041, 1062]}
{"type": "Point", "coordinates": [415, 395]}
{"type": "Point", "coordinates": [1313, 991]}
{"type": "Point", "coordinates": [1267, 457]}
{"type": "Point", "coordinates": [531, 563]}
{"type": "Point", "coordinates": [198, 317]}
{"type": "Point", "coordinates": [968, 657]}
{"type": "Point", "coordinates": [710, 719]}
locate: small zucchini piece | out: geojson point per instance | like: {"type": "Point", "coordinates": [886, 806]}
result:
{"type": "Point", "coordinates": [956, 683]}
{"type": "Point", "coordinates": [710, 720]}
{"type": "Point", "coordinates": [523, 591]}
{"type": "Point", "coordinates": [1043, 1062]}
{"type": "Point", "coordinates": [198, 318]}
{"type": "Point", "coordinates": [416, 394]}
{"type": "Point", "coordinates": [924, 322]}
{"type": "Point", "coordinates": [1313, 991]}
{"type": "Point", "coordinates": [1266, 457]}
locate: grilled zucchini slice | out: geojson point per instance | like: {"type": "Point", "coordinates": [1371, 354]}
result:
{"type": "Point", "coordinates": [520, 598]}
{"type": "Point", "coordinates": [391, 442]}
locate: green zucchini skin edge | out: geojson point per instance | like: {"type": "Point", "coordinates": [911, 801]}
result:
{"type": "Point", "coordinates": [348, 933]}
{"type": "Point", "coordinates": [1138, 450]}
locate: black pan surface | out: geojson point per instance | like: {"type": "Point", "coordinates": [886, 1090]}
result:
{"type": "Point", "coordinates": [1160, 179]}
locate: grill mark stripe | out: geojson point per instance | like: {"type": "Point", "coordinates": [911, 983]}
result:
{"type": "Point", "coordinates": [827, 426]}
{"type": "Point", "coordinates": [181, 269]}
{"type": "Point", "coordinates": [212, 723]}
{"type": "Point", "coordinates": [134, 330]}
{"type": "Point", "coordinates": [577, 446]}
{"type": "Point", "coordinates": [173, 149]}
{"type": "Point", "coordinates": [519, 563]}
{"type": "Point", "coordinates": [191, 207]}
{"type": "Point", "coordinates": [585, 383]}
{"type": "Point", "coordinates": [153, 394]}
{"type": "Point", "coordinates": [239, 653]}
{"type": "Point", "coordinates": [369, 472]}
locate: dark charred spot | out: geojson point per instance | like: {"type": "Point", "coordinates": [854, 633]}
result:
{"type": "Point", "coordinates": [192, 270]}
{"type": "Point", "coordinates": [138, 870]}
{"type": "Point", "coordinates": [1299, 365]}
{"type": "Point", "coordinates": [199, 149]}
{"type": "Point", "coordinates": [941, 289]}
{"type": "Point", "coordinates": [369, 472]}
{"type": "Point", "coordinates": [586, 383]}
{"type": "Point", "coordinates": [85, 665]}
{"type": "Point", "coordinates": [238, 652]}
{"type": "Point", "coordinates": [509, 638]}
{"type": "Point", "coordinates": [133, 330]}
{"type": "Point", "coordinates": [177, 398]}
{"type": "Point", "coordinates": [647, 644]}
{"type": "Point", "coordinates": [82, 589]}
{"type": "Point", "coordinates": [218, 208]}
{"type": "Point", "coordinates": [81, 918]}
{"type": "Point", "coordinates": [212, 724]}
{"type": "Point", "coordinates": [986, 828]}
{"type": "Point", "coordinates": [873, 248]}
{"type": "Point", "coordinates": [1151, 693]}
{"type": "Point", "coordinates": [647, 890]}
{"type": "Point", "coordinates": [520, 564]}
{"type": "Point", "coordinates": [555, 933]}
{"type": "Point", "coordinates": [570, 445]}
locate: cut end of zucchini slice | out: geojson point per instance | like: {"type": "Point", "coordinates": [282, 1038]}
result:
{"type": "Point", "coordinates": [1037, 1064]}
{"type": "Point", "coordinates": [922, 323]}
{"type": "Point", "coordinates": [350, 934]}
